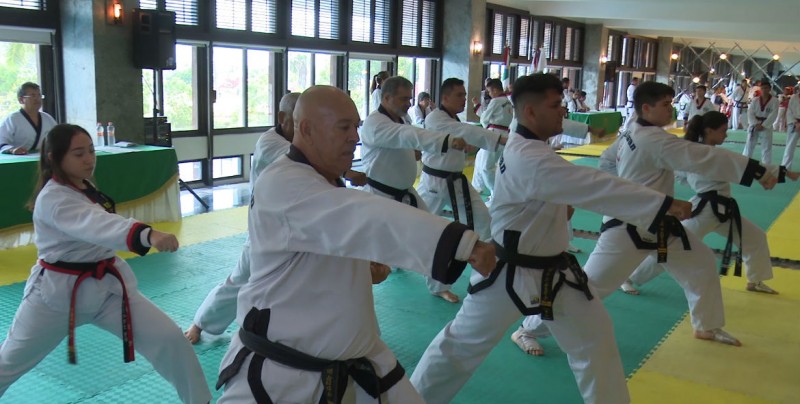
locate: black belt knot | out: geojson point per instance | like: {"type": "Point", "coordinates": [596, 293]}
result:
{"type": "Point", "coordinates": [334, 373]}
{"type": "Point", "coordinates": [731, 213]}
{"type": "Point", "coordinates": [451, 177]}
{"type": "Point", "coordinates": [397, 194]}
{"type": "Point", "coordinates": [553, 266]}
{"type": "Point", "coordinates": [669, 226]}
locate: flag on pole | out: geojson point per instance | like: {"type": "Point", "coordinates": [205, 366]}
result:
{"type": "Point", "coordinates": [538, 62]}
{"type": "Point", "coordinates": [506, 66]}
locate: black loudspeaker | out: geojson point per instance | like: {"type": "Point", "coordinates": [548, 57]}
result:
{"type": "Point", "coordinates": [154, 39]}
{"type": "Point", "coordinates": [611, 72]}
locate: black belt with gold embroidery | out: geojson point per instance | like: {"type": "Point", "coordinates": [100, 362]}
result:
{"type": "Point", "coordinates": [669, 226]}
{"type": "Point", "coordinates": [334, 373]}
{"type": "Point", "coordinates": [550, 266]}
{"type": "Point", "coordinates": [397, 194]}
{"type": "Point", "coordinates": [731, 213]}
{"type": "Point", "coordinates": [451, 177]}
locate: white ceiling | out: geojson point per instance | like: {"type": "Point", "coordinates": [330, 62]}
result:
{"type": "Point", "coordinates": [751, 24]}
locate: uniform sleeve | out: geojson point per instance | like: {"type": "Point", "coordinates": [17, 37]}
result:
{"type": "Point", "coordinates": [78, 219]}
{"type": "Point", "coordinates": [487, 117]}
{"type": "Point", "coordinates": [390, 135]}
{"type": "Point", "coordinates": [354, 224]}
{"type": "Point", "coordinates": [718, 164]}
{"type": "Point", "coordinates": [592, 190]}
{"type": "Point", "coordinates": [6, 134]}
{"type": "Point", "coordinates": [751, 112]}
{"type": "Point", "coordinates": [474, 135]}
{"type": "Point", "coordinates": [793, 110]}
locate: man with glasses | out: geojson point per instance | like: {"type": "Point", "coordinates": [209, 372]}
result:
{"type": "Point", "coordinates": [24, 130]}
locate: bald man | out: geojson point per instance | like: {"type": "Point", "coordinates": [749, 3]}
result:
{"type": "Point", "coordinates": [307, 315]}
{"type": "Point", "coordinates": [218, 310]}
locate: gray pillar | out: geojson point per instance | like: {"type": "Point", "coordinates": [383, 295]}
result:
{"type": "Point", "coordinates": [595, 46]}
{"type": "Point", "coordinates": [664, 59]}
{"type": "Point", "coordinates": [464, 22]}
{"type": "Point", "coordinates": [100, 81]}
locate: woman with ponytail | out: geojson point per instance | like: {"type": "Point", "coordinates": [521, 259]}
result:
{"type": "Point", "coordinates": [79, 280]}
{"type": "Point", "coordinates": [715, 210]}
{"type": "Point", "coordinates": [375, 89]}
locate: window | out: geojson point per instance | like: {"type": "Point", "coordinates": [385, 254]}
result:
{"type": "Point", "coordinates": [509, 36]}
{"type": "Point", "coordinates": [577, 47]}
{"type": "Point", "coordinates": [524, 37]}
{"type": "Point", "coordinates": [370, 22]}
{"type": "Point", "coordinates": [264, 16]}
{"type": "Point", "coordinates": [186, 12]}
{"type": "Point", "coordinates": [418, 71]}
{"type": "Point", "coordinates": [300, 73]}
{"type": "Point", "coordinates": [19, 63]}
{"type": "Point", "coordinates": [225, 167]}
{"type": "Point", "coordinates": [358, 84]}
{"type": "Point", "coordinates": [315, 18]}
{"type": "Point", "coordinates": [418, 23]}
{"type": "Point", "coordinates": [568, 44]}
{"type": "Point", "coordinates": [190, 171]}
{"type": "Point", "coordinates": [497, 35]}
{"type": "Point", "coordinates": [557, 42]}
{"type": "Point", "coordinates": [233, 87]}
{"type": "Point", "coordinates": [180, 93]}
{"type": "Point", "coordinates": [260, 88]}
{"type": "Point", "coordinates": [231, 14]}
{"type": "Point", "coordinates": [548, 38]}
{"type": "Point", "coordinates": [26, 4]}
{"type": "Point", "coordinates": [307, 69]}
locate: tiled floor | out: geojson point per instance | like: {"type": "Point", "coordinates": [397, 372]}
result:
{"type": "Point", "coordinates": [218, 198]}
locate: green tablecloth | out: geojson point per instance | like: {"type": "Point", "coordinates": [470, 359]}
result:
{"type": "Point", "coordinates": [610, 121]}
{"type": "Point", "coordinates": [124, 176]}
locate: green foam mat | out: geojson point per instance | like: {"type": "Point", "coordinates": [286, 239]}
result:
{"type": "Point", "coordinates": [409, 319]}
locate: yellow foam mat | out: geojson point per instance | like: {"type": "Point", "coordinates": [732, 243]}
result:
{"type": "Point", "coordinates": [783, 236]}
{"type": "Point", "coordinates": [766, 369]}
{"type": "Point", "coordinates": [594, 149]}
{"type": "Point", "coordinates": [16, 262]}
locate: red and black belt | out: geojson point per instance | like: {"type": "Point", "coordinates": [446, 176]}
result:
{"type": "Point", "coordinates": [97, 270]}
{"type": "Point", "coordinates": [501, 127]}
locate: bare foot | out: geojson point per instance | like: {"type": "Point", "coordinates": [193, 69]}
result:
{"type": "Point", "coordinates": [448, 295]}
{"type": "Point", "coordinates": [717, 335]}
{"type": "Point", "coordinates": [628, 288]}
{"type": "Point", "coordinates": [527, 343]}
{"type": "Point", "coordinates": [760, 287]}
{"type": "Point", "coordinates": [193, 334]}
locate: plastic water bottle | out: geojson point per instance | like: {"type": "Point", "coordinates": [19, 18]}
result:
{"type": "Point", "coordinates": [111, 138]}
{"type": "Point", "coordinates": [100, 135]}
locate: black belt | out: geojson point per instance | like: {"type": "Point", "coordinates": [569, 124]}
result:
{"type": "Point", "coordinates": [397, 194]}
{"type": "Point", "coordinates": [741, 105]}
{"type": "Point", "coordinates": [334, 373]}
{"type": "Point", "coordinates": [669, 226]}
{"type": "Point", "coordinates": [97, 270]}
{"type": "Point", "coordinates": [451, 177]}
{"type": "Point", "coordinates": [550, 266]}
{"type": "Point", "coordinates": [733, 214]}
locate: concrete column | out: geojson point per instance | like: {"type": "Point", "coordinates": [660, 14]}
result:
{"type": "Point", "coordinates": [464, 22]}
{"type": "Point", "coordinates": [594, 47]}
{"type": "Point", "coordinates": [663, 59]}
{"type": "Point", "coordinates": [100, 81]}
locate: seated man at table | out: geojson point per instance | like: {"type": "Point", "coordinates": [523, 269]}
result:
{"type": "Point", "coordinates": [578, 102]}
{"type": "Point", "coordinates": [24, 130]}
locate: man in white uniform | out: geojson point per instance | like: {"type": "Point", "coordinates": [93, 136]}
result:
{"type": "Point", "coordinates": [629, 98]}
{"type": "Point", "coordinates": [218, 309]}
{"type": "Point", "coordinates": [762, 113]}
{"type": "Point", "coordinates": [529, 232]}
{"type": "Point", "coordinates": [741, 101]}
{"type": "Point", "coordinates": [309, 332]}
{"type": "Point", "coordinates": [496, 118]}
{"type": "Point", "coordinates": [647, 154]}
{"type": "Point", "coordinates": [23, 131]}
{"type": "Point", "coordinates": [699, 105]}
{"type": "Point", "coordinates": [793, 128]}
{"type": "Point", "coordinates": [420, 110]}
{"type": "Point", "coordinates": [443, 181]}
{"type": "Point", "coordinates": [388, 147]}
